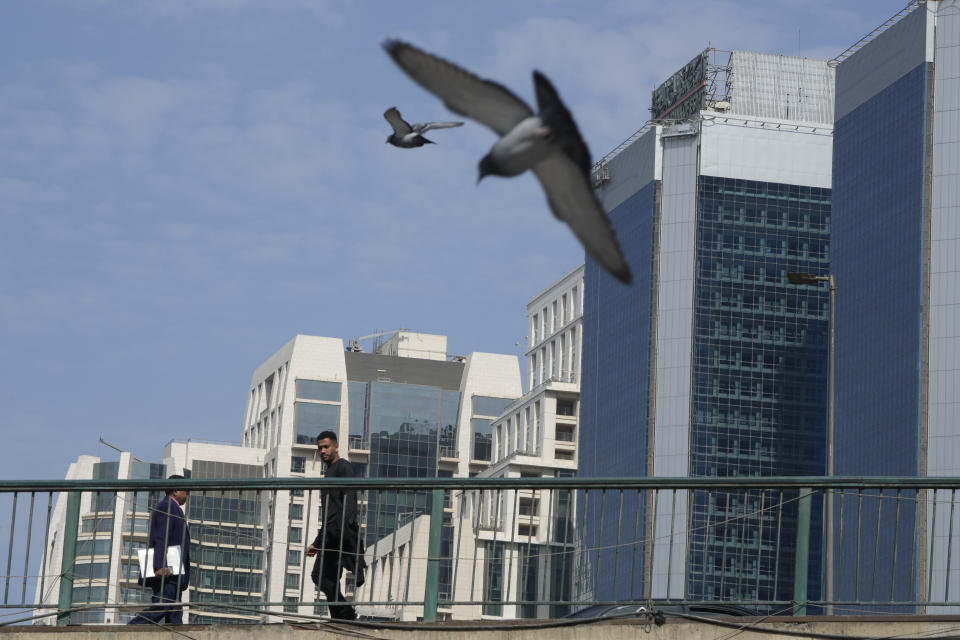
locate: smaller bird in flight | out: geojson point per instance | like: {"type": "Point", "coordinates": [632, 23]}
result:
{"type": "Point", "coordinates": [409, 136]}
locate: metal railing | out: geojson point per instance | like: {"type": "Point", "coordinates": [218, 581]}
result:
{"type": "Point", "coordinates": [870, 37]}
{"type": "Point", "coordinates": [471, 548]}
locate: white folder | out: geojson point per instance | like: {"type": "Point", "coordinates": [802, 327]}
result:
{"type": "Point", "coordinates": [174, 561]}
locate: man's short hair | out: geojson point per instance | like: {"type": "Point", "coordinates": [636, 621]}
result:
{"type": "Point", "coordinates": [327, 434]}
{"type": "Point", "coordinates": [175, 476]}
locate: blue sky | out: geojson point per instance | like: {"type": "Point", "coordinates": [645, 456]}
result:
{"type": "Point", "coordinates": [184, 186]}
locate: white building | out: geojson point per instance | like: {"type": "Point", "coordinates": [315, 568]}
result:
{"type": "Point", "coordinates": [406, 410]}
{"type": "Point", "coordinates": [113, 526]}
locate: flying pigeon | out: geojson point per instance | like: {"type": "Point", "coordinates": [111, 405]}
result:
{"type": "Point", "coordinates": [547, 142]}
{"type": "Point", "coordinates": [408, 135]}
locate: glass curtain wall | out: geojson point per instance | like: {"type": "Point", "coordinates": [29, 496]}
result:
{"type": "Point", "coordinates": [759, 382]}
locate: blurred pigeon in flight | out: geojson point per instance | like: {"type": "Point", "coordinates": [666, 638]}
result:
{"type": "Point", "coordinates": [408, 135]}
{"type": "Point", "coordinates": [547, 142]}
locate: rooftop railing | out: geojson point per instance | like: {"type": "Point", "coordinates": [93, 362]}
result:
{"type": "Point", "coordinates": [490, 548]}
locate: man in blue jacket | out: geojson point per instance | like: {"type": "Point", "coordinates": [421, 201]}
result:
{"type": "Point", "coordinates": [168, 528]}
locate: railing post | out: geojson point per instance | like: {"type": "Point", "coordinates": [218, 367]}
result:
{"type": "Point", "coordinates": [65, 603]}
{"type": "Point", "coordinates": [802, 557]}
{"type": "Point", "coordinates": [432, 588]}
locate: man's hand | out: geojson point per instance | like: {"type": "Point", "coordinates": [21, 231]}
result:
{"type": "Point", "coordinates": [163, 571]}
{"type": "Point", "coordinates": [311, 551]}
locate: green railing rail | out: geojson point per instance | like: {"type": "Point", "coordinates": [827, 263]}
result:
{"type": "Point", "coordinates": [756, 482]}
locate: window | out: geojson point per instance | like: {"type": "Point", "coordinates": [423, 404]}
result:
{"type": "Point", "coordinates": [89, 594]}
{"type": "Point", "coordinates": [293, 557]}
{"type": "Point", "coordinates": [573, 354]}
{"type": "Point", "coordinates": [295, 535]}
{"type": "Point", "coordinates": [527, 530]}
{"type": "Point", "coordinates": [95, 570]}
{"type": "Point", "coordinates": [296, 512]}
{"type": "Point", "coordinates": [289, 602]}
{"type": "Point", "coordinates": [298, 464]}
{"type": "Point", "coordinates": [493, 579]}
{"type": "Point", "coordinates": [93, 547]}
{"type": "Point", "coordinates": [130, 571]}
{"type": "Point", "coordinates": [140, 525]}
{"type": "Point", "coordinates": [536, 421]}
{"type": "Point", "coordinates": [489, 406]}
{"type": "Point", "coordinates": [357, 416]}
{"type": "Point", "coordinates": [103, 501]}
{"type": "Point", "coordinates": [564, 373]}
{"type": "Point", "coordinates": [292, 581]}
{"type": "Point", "coordinates": [529, 558]}
{"type": "Point", "coordinates": [311, 418]}
{"type": "Point", "coordinates": [268, 391]}
{"type": "Point", "coordinates": [528, 507]}
{"type": "Point", "coordinates": [318, 390]}
{"type": "Point", "coordinates": [482, 438]}
{"type": "Point", "coordinates": [92, 524]}
{"type": "Point", "coordinates": [565, 433]}
{"type": "Point", "coordinates": [563, 455]}
{"type": "Point", "coordinates": [565, 407]}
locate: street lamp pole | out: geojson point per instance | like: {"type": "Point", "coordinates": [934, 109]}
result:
{"type": "Point", "coordinates": [808, 279]}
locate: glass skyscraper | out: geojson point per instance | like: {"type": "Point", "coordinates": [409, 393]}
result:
{"type": "Point", "coordinates": [896, 166]}
{"type": "Point", "coordinates": [711, 364]}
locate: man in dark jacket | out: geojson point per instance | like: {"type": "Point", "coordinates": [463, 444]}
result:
{"type": "Point", "coordinates": [337, 545]}
{"type": "Point", "coordinates": [168, 528]}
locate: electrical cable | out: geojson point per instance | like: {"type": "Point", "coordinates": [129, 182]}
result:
{"type": "Point", "coordinates": [753, 626]}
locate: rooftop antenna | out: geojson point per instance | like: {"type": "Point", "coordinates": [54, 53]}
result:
{"type": "Point", "coordinates": [116, 448]}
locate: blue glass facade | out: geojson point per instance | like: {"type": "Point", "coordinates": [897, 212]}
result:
{"type": "Point", "coordinates": [759, 393]}
{"type": "Point", "coordinates": [879, 169]}
{"type": "Point", "coordinates": [614, 389]}
{"type": "Point", "coordinates": [407, 426]}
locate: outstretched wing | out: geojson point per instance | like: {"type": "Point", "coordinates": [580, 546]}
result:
{"type": "Point", "coordinates": [571, 200]}
{"type": "Point", "coordinates": [400, 126]}
{"type": "Point", "coordinates": [563, 129]}
{"type": "Point", "coordinates": [426, 126]}
{"type": "Point", "coordinates": [485, 101]}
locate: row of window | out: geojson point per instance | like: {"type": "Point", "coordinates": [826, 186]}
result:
{"type": "Point", "coordinates": [518, 432]}
{"type": "Point", "coordinates": [559, 360]}
{"type": "Point", "coordinates": [564, 309]}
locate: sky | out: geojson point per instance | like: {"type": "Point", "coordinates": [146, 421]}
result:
{"type": "Point", "coordinates": [186, 185]}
